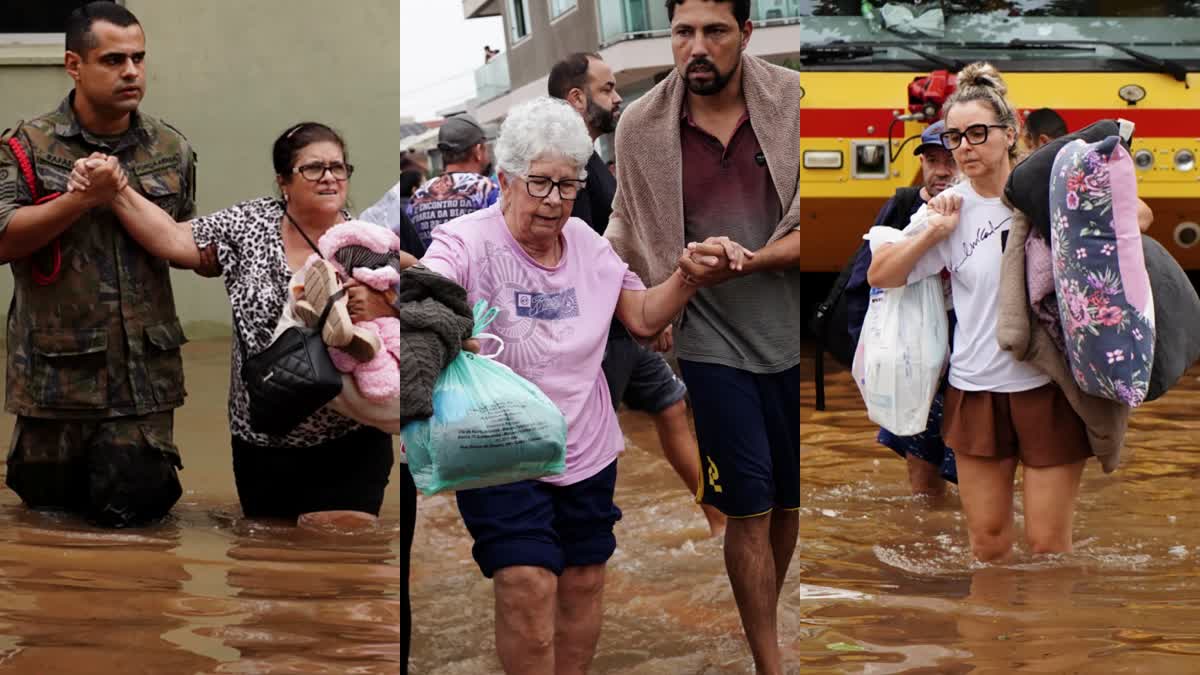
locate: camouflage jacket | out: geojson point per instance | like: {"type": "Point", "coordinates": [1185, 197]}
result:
{"type": "Point", "coordinates": [103, 340]}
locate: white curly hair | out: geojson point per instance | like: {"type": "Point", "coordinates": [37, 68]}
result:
{"type": "Point", "coordinates": [544, 128]}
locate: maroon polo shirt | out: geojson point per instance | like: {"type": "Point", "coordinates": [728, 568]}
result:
{"type": "Point", "coordinates": [751, 323]}
{"type": "Point", "coordinates": [727, 190]}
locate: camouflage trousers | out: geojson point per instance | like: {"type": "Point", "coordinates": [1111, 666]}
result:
{"type": "Point", "coordinates": [114, 472]}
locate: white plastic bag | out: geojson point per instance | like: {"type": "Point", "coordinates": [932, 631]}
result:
{"type": "Point", "coordinates": [903, 349]}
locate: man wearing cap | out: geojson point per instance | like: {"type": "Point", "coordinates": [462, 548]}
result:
{"type": "Point", "coordinates": [930, 462]}
{"type": "Point", "coordinates": [938, 170]}
{"type": "Point", "coordinates": [464, 187]}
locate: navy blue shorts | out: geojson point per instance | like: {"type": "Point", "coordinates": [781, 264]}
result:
{"type": "Point", "coordinates": [542, 525]}
{"type": "Point", "coordinates": [927, 445]}
{"type": "Point", "coordinates": [748, 429]}
{"type": "Point", "coordinates": [637, 376]}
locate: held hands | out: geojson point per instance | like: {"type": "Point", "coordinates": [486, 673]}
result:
{"type": "Point", "coordinates": [944, 211]}
{"type": "Point", "coordinates": [713, 261]}
{"type": "Point", "coordinates": [97, 178]}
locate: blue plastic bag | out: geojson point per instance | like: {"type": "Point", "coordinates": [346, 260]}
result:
{"type": "Point", "coordinates": [490, 426]}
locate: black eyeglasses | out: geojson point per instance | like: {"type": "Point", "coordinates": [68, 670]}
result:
{"type": "Point", "coordinates": [540, 187]}
{"type": "Point", "coordinates": [975, 134]}
{"type": "Point", "coordinates": [316, 170]}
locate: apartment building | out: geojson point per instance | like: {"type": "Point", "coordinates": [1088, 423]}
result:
{"type": "Point", "coordinates": [631, 35]}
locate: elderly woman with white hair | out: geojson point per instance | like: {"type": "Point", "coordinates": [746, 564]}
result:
{"type": "Point", "coordinates": [557, 284]}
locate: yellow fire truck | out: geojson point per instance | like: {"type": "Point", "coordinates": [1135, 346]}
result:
{"type": "Point", "coordinates": [875, 74]}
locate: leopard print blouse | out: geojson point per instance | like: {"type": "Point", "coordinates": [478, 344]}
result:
{"type": "Point", "coordinates": [250, 250]}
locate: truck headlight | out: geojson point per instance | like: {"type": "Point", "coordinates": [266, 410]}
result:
{"type": "Point", "coordinates": [822, 159]}
{"type": "Point", "coordinates": [1185, 160]}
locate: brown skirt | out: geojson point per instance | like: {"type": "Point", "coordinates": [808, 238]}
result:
{"type": "Point", "coordinates": [1038, 426]}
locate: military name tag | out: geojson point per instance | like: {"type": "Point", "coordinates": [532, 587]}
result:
{"type": "Point", "coordinates": [166, 162]}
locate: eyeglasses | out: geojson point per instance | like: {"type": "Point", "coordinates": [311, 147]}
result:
{"type": "Point", "coordinates": [316, 171]}
{"type": "Point", "coordinates": [540, 186]}
{"type": "Point", "coordinates": [975, 134]}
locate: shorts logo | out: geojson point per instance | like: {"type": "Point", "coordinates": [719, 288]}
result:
{"type": "Point", "coordinates": [713, 475]}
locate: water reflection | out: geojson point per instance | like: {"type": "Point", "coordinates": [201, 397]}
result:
{"type": "Point", "coordinates": [881, 583]}
{"type": "Point", "coordinates": [203, 592]}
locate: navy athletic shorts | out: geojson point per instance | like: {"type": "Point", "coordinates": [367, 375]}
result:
{"type": "Point", "coordinates": [748, 428]}
{"type": "Point", "coordinates": [542, 525]}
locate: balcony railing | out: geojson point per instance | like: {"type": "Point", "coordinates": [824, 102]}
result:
{"type": "Point", "coordinates": [491, 80]}
{"type": "Point", "coordinates": [626, 19]}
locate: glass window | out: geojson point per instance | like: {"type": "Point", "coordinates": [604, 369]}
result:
{"type": "Point", "coordinates": [43, 16]}
{"type": "Point", "coordinates": [518, 19]}
{"type": "Point", "coordinates": [560, 7]}
{"type": "Point", "coordinates": [1016, 8]}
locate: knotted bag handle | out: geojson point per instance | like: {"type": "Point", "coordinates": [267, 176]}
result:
{"type": "Point", "coordinates": [484, 315]}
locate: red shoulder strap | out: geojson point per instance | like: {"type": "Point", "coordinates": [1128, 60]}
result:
{"type": "Point", "coordinates": [25, 165]}
{"type": "Point", "coordinates": [39, 277]}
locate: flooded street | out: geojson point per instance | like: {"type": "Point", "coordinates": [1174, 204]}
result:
{"type": "Point", "coordinates": [204, 592]}
{"type": "Point", "coordinates": [880, 583]}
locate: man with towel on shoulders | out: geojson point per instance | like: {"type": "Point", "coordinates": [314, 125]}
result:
{"type": "Point", "coordinates": [711, 156]}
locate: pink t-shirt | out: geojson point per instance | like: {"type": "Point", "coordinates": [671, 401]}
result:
{"type": "Point", "coordinates": [554, 320]}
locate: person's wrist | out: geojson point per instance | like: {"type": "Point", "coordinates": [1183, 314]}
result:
{"type": "Point", "coordinates": [122, 197]}
{"type": "Point", "coordinates": [748, 266]}
{"type": "Point", "coordinates": [685, 279]}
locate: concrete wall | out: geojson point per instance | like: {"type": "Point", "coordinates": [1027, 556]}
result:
{"type": "Point", "coordinates": [231, 75]}
{"type": "Point", "coordinates": [532, 57]}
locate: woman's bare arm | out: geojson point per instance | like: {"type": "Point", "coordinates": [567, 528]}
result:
{"type": "Point", "coordinates": [646, 313]}
{"type": "Point", "coordinates": [156, 230]}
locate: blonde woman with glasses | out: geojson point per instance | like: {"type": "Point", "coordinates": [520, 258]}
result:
{"type": "Point", "coordinates": [998, 411]}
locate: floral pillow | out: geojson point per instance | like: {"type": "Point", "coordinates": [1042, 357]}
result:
{"type": "Point", "coordinates": [1100, 274]}
{"type": "Point", "coordinates": [1028, 186]}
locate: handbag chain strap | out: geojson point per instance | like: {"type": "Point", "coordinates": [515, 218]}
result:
{"type": "Point", "coordinates": [301, 231]}
{"type": "Point", "coordinates": [341, 292]}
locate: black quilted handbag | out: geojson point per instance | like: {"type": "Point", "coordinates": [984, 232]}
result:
{"type": "Point", "coordinates": [292, 379]}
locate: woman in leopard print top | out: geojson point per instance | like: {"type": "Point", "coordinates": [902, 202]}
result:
{"type": "Point", "coordinates": [329, 469]}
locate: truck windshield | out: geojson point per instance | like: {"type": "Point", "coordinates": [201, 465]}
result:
{"type": "Point", "coordinates": [1022, 34]}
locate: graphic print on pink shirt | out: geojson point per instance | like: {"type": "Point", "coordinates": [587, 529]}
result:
{"type": "Point", "coordinates": [554, 321]}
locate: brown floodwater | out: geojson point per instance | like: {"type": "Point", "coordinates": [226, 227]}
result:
{"type": "Point", "coordinates": [880, 583]}
{"type": "Point", "coordinates": [205, 591]}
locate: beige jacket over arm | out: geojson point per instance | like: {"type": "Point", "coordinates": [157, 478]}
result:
{"type": "Point", "coordinates": [646, 227]}
{"type": "Point", "coordinates": [1021, 334]}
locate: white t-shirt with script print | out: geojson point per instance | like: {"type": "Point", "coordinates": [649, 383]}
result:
{"type": "Point", "coordinates": [972, 255]}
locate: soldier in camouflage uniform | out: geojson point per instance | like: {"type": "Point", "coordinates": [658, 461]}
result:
{"type": "Point", "coordinates": [94, 368]}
